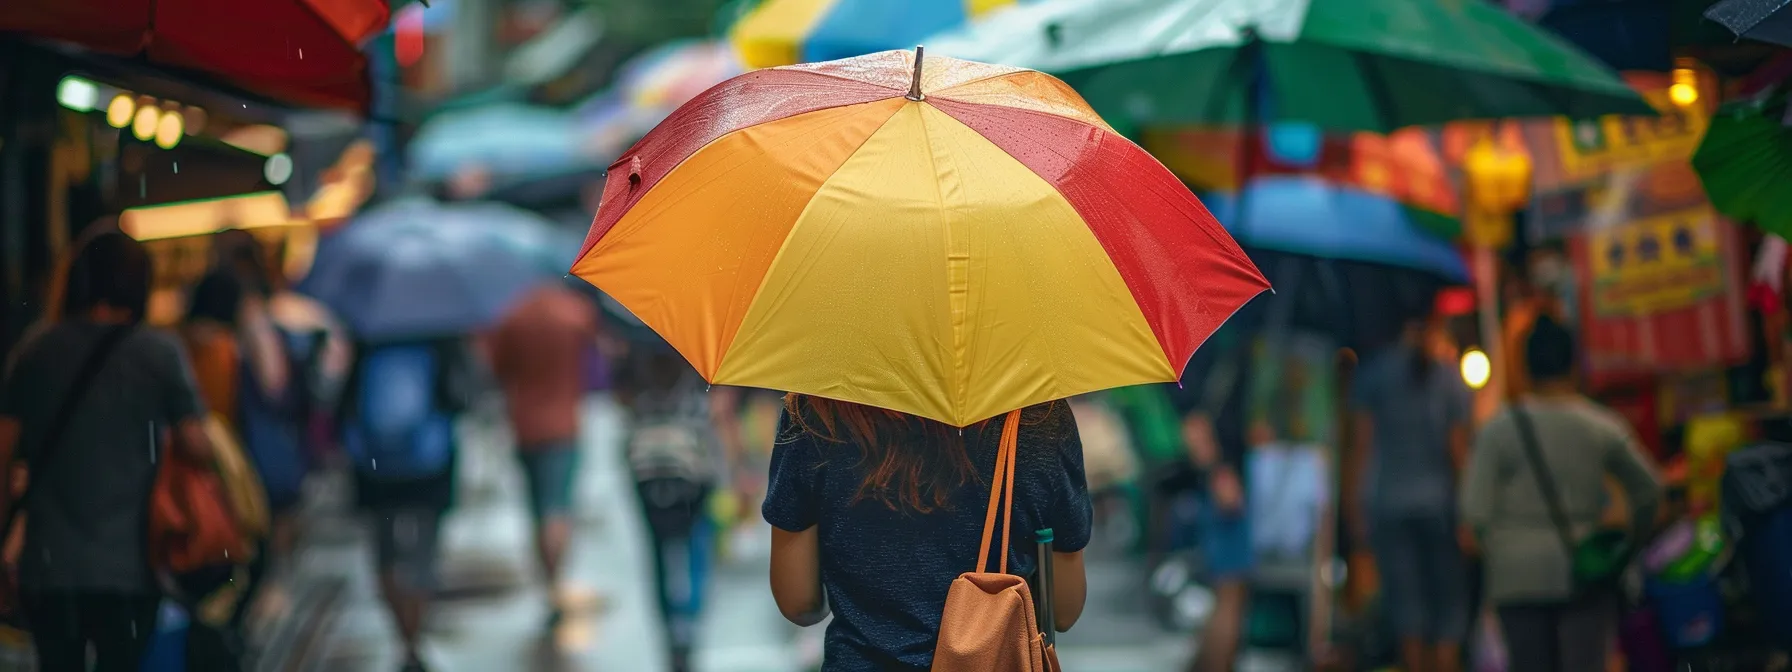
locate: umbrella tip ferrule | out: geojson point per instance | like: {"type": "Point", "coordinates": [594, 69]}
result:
{"type": "Point", "coordinates": [914, 85]}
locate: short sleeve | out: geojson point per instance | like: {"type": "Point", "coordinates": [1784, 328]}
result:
{"type": "Point", "coordinates": [1070, 514]}
{"type": "Point", "coordinates": [794, 485]}
{"type": "Point", "coordinates": [173, 378]}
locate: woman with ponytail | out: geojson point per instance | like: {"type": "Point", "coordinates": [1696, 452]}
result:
{"type": "Point", "coordinates": [1412, 417]}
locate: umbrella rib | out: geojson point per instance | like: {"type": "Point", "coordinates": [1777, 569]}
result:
{"type": "Point", "coordinates": [1380, 94]}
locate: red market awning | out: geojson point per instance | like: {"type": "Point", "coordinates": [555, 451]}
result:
{"type": "Point", "coordinates": [304, 52]}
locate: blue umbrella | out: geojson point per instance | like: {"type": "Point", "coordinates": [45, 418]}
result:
{"type": "Point", "coordinates": [1306, 215]}
{"type": "Point", "coordinates": [508, 140]}
{"type": "Point", "coordinates": [549, 247]}
{"type": "Point", "coordinates": [414, 270]}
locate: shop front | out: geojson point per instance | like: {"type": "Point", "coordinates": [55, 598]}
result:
{"type": "Point", "coordinates": [84, 138]}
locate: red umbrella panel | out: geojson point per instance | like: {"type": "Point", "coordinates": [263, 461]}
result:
{"type": "Point", "coordinates": [299, 51]}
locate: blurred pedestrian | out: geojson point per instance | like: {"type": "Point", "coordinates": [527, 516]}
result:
{"type": "Point", "coordinates": [268, 407]}
{"type": "Point", "coordinates": [678, 452]}
{"type": "Point", "coordinates": [536, 355]}
{"type": "Point", "coordinates": [1228, 555]}
{"type": "Point", "coordinates": [266, 404]}
{"type": "Point", "coordinates": [875, 513]}
{"type": "Point", "coordinates": [83, 407]}
{"type": "Point", "coordinates": [1551, 620]}
{"type": "Point", "coordinates": [1412, 414]}
{"type": "Point", "coordinates": [209, 332]}
{"type": "Point", "coordinates": [397, 416]}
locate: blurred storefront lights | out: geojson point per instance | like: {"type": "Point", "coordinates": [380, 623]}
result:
{"type": "Point", "coordinates": [144, 124]}
{"type": "Point", "coordinates": [1477, 369]}
{"type": "Point", "coordinates": [78, 94]}
{"type": "Point", "coordinates": [1685, 89]}
{"type": "Point", "coordinates": [121, 110]}
{"type": "Point", "coordinates": [169, 129]}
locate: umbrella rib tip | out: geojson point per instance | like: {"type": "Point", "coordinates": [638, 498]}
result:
{"type": "Point", "coordinates": [914, 85]}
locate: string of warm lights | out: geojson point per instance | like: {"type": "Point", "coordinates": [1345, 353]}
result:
{"type": "Point", "coordinates": [166, 123]}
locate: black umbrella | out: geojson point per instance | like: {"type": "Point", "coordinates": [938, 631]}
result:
{"type": "Point", "coordinates": [1760, 20]}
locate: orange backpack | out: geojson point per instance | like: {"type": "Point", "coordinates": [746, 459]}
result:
{"type": "Point", "coordinates": [989, 624]}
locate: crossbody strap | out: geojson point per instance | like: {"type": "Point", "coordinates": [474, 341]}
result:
{"type": "Point", "coordinates": [1546, 482]}
{"type": "Point", "coordinates": [84, 377]}
{"type": "Point", "coordinates": [1001, 488]}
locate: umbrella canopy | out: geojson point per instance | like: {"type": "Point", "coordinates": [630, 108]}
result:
{"type": "Point", "coordinates": [508, 140]}
{"type": "Point", "coordinates": [407, 271]}
{"type": "Point", "coordinates": [1763, 20]}
{"type": "Point", "coordinates": [1745, 162]}
{"type": "Point", "coordinates": [1345, 65]}
{"type": "Point", "coordinates": [1305, 215]}
{"type": "Point", "coordinates": [978, 245]}
{"type": "Point", "coordinates": [300, 51]}
{"type": "Point", "coordinates": [783, 32]}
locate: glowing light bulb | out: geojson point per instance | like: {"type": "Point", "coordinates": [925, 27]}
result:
{"type": "Point", "coordinates": [120, 111]}
{"type": "Point", "coordinates": [144, 126]}
{"type": "Point", "coordinates": [1476, 368]}
{"type": "Point", "coordinates": [1683, 94]}
{"type": "Point", "coordinates": [170, 129]}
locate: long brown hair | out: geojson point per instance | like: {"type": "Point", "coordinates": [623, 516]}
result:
{"type": "Point", "coordinates": [908, 461]}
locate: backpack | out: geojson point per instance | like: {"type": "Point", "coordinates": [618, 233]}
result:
{"type": "Point", "coordinates": [273, 428]}
{"type": "Point", "coordinates": [670, 436]}
{"type": "Point", "coordinates": [990, 623]}
{"type": "Point", "coordinates": [401, 431]}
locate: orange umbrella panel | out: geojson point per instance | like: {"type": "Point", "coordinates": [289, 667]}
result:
{"type": "Point", "coordinates": [980, 247]}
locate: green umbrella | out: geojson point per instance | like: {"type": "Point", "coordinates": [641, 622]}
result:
{"type": "Point", "coordinates": [1745, 162]}
{"type": "Point", "coordinates": [1345, 65]}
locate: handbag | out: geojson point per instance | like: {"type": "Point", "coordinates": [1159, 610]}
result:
{"type": "Point", "coordinates": [1596, 562]}
{"type": "Point", "coordinates": [990, 622]}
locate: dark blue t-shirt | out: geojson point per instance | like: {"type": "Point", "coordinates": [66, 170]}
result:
{"type": "Point", "coordinates": [886, 572]}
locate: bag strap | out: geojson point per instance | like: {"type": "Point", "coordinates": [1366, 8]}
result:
{"type": "Point", "coordinates": [1546, 482]}
{"type": "Point", "coordinates": [1003, 482]}
{"type": "Point", "coordinates": [84, 377]}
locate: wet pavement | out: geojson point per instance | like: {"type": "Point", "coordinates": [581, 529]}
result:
{"type": "Point", "coordinates": [491, 611]}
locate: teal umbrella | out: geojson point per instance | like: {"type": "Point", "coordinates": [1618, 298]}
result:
{"type": "Point", "coordinates": [1745, 162]}
{"type": "Point", "coordinates": [1344, 65]}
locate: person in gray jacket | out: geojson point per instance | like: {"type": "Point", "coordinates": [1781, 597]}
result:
{"type": "Point", "coordinates": [1528, 571]}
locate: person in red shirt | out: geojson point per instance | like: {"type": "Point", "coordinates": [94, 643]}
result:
{"type": "Point", "coordinates": [535, 354]}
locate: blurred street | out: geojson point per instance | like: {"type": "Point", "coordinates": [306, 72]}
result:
{"type": "Point", "coordinates": [492, 605]}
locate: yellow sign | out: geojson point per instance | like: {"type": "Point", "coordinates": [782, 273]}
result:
{"type": "Point", "coordinates": [1655, 264]}
{"type": "Point", "coordinates": [1593, 147]}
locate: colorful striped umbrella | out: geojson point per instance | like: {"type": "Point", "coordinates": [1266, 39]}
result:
{"type": "Point", "coordinates": [954, 241]}
{"type": "Point", "coordinates": [783, 32]}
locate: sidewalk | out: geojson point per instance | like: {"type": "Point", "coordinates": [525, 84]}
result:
{"type": "Point", "coordinates": [489, 614]}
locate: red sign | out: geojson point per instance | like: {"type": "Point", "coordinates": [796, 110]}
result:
{"type": "Point", "coordinates": [1704, 333]}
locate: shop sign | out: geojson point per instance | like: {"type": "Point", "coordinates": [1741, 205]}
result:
{"type": "Point", "coordinates": [1589, 148]}
{"type": "Point", "coordinates": [1655, 264]}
